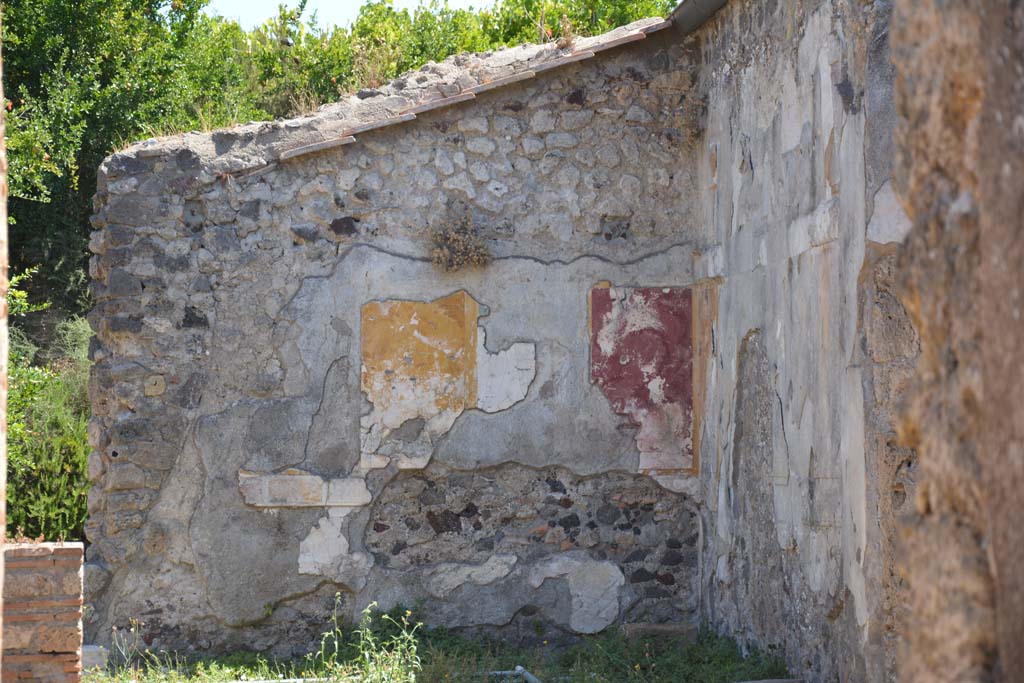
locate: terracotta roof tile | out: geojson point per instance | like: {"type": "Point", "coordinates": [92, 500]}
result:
{"type": "Point", "coordinates": [562, 61]}
{"type": "Point", "coordinates": [437, 104]}
{"type": "Point", "coordinates": [315, 147]}
{"type": "Point", "coordinates": [656, 27]}
{"type": "Point", "coordinates": [500, 82]}
{"type": "Point", "coordinates": [628, 38]}
{"type": "Point", "coordinates": [374, 125]}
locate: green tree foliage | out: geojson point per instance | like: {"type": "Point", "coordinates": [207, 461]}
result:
{"type": "Point", "coordinates": [18, 304]}
{"type": "Point", "coordinates": [522, 21]}
{"type": "Point", "coordinates": [292, 63]}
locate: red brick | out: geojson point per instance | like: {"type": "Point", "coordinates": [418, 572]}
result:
{"type": "Point", "coordinates": [43, 612]}
{"type": "Point", "coordinates": [28, 659]}
{"type": "Point", "coordinates": [27, 550]}
{"type": "Point", "coordinates": [31, 584]}
{"type": "Point", "coordinates": [28, 563]}
{"type": "Point", "coordinates": [40, 563]}
{"type": "Point", "coordinates": [63, 616]}
{"type": "Point", "coordinates": [41, 604]}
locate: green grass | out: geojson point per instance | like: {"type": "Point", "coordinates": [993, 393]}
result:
{"type": "Point", "coordinates": [390, 649]}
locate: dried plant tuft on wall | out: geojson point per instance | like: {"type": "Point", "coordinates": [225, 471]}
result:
{"type": "Point", "coordinates": [458, 245]}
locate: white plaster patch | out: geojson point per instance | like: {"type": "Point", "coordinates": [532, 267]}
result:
{"type": "Point", "coordinates": [593, 585]}
{"type": "Point", "coordinates": [678, 483]}
{"type": "Point", "coordinates": [296, 488]}
{"type": "Point", "coordinates": [639, 316]}
{"type": "Point", "coordinates": [889, 222]}
{"type": "Point", "coordinates": [325, 552]}
{"type": "Point", "coordinates": [445, 578]}
{"type": "Point", "coordinates": [503, 378]}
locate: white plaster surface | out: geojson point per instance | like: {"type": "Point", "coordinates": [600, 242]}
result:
{"type": "Point", "coordinates": [503, 378]}
{"type": "Point", "coordinates": [788, 207]}
{"type": "Point", "coordinates": [326, 552]}
{"type": "Point", "coordinates": [298, 489]}
{"type": "Point", "coordinates": [593, 584]}
{"type": "Point", "coordinates": [889, 222]}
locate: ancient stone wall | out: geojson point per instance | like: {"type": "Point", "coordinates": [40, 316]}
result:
{"type": "Point", "coordinates": [42, 612]}
{"type": "Point", "coordinates": [803, 484]}
{"type": "Point", "coordinates": [668, 396]}
{"type": "Point", "coordinates": [290, 399]}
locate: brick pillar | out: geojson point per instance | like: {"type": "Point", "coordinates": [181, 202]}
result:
{"type": "Point", "coordinates": [42, 612]}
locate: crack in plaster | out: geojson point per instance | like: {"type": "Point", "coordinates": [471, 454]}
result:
{"type": "Point", "coordinates": [320, 405]}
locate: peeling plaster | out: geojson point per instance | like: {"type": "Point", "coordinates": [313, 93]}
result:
{"type": "Point", "coordinates": [444, 578]}
{"type": "Point", "coordinates": [326, 552]}
{"type": "Point", "coordinates": [428, 361]}
{"type": "Point", "coordinates": [594, 587]}
{"type": "Point", "coordinates": [889, 222]}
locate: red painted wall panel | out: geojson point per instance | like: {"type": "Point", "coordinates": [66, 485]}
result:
{"type": "Point", "coordinates": [641, 353]}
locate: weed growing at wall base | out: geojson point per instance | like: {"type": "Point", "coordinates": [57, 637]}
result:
{"type": "Point", "coordinates": [393, 648]}
{"type": "Point", "coordinates": [384, 649]}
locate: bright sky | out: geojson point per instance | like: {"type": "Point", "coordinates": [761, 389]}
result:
{"type": "Point", "coordinates": [250, 13]}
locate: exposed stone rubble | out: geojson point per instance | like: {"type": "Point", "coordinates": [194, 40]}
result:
{"type": "Point", "coordinates": [290, 400]}
{"type": "Point", "coordinates": [543, 546]}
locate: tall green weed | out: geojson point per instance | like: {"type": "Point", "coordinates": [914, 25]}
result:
{"type": "Point", "coordinates": [47, 417]}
